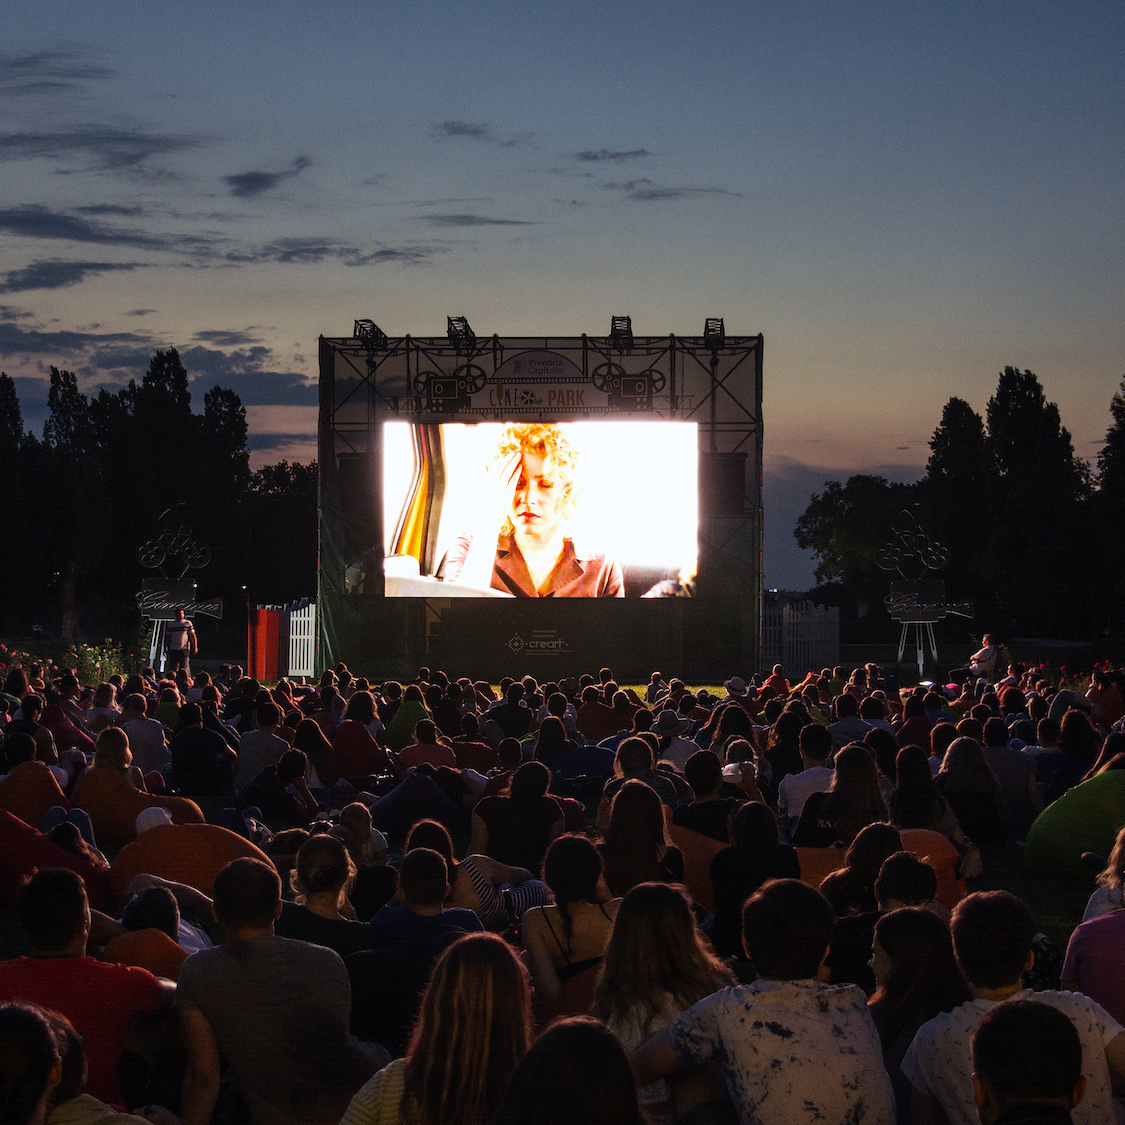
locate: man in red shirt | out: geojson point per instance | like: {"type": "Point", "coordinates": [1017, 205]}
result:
{"type": "Point", "coordinates": [98, 998]}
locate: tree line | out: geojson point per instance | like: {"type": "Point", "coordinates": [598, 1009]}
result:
{"type": "Point", "coordinates": [1034, 534]}
{"type": "Point", "coordinates": [80, 500]}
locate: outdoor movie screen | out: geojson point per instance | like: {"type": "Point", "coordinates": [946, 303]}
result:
{"type": "Point", "coordinates": [540, 509]}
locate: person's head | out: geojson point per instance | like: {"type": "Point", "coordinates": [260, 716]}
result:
{"type": "Point", "coordinates": [425, 731]}
{"type": "Point", "coordinates": [1047, 732]}
{"type": "Point", "coordinates": [31, 707]}
{"type": "Point", "coordinates": [267, 715]}
{"type": "Point", "coordinates": [154, 908]}
{"type": "Point", "coordinates": [965, 768]}
{"type": "Point", "coordinates": [905, 880]}
{"type": "Point", "coordinates": [556, 704]}
{"type": "Point", "coordinates": [1025, 1053]}
{"type": "Point", "coordinates": [509, 753]}
{"type": "Point", "coordinates": [552, 735]}
{"type": "Point", "coordinates": [655, 951]}
{"type": "Point", "coordinates": [634, 755]}
{"type": "Point", "coordinates": [1078, 738]}
{"type": "Point", "coordinates": [704, 773]}
{"type": "Point", "coordinates": [752, 825]}
{"type": "Point", "coordinates": [424, 879]}
{"type": "Point", "coordinates": [546, 484]}
{"type": "Point", "coordinates": [576, 1072]}
{"type": "Point", "coordinates": [992, 934]}
{"type": "Point", "coordinates": [872, 846]}
{"type": "Point", "coordinates": [19, 748]}
{"type": "Point", "coordinates": [54, 911]}
{"type": "Point", "coordinates": [872, 709]}
{"type": "Point", "coordinates": [473, 1026]}
{"type": "Point", "coordinates": [111, 751]}
{"type": "Point", "coordinates": [786, 928]}
{"type": "Point", "coordinates": [572, 869]}
{"type": "Point", "coordinates": [105, 695]}
{"type": "Point", "coordinates": [941, 735]}
{"type": "Point", "coordinates": [323, 868]}
{"type": "Point", "coordinates": [847, 707]}
{"type": "Point", "coordinates": [530, 781]}
{"type": "Point", "coordinates": [914, 968]}
{"type": "Point", "coordinates": [246, 896]}
{"type": "Point", "coordinates": [431, 834]}
{"type": "Point", "coordinates": [856, 797]}
{"type": "Point", "coordinates": [290, 766]}
{"type": "Point", "coordinates": [995, 733]}
{"type": "Point", "coordinates": [361, 707]}
{"type": "Point", "coordinates": [30, 1066]}
{"type": "Point", "coordinates": [636, 817]}
{"type": "Point", "coordinates": [356, 818]}
{"type": "Point", "coordinates": [1113, 874]}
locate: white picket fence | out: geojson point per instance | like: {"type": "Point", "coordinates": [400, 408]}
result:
{"type": "Point", "coordinates": [801, 637]}
{"type": "Point", "coordinates": [297, 639]}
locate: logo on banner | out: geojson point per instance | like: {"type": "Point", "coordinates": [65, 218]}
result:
{"type": "Point", "coordinates": [543, 642]}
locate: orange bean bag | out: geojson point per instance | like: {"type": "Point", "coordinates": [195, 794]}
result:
{"type": "Point", "coordinates": [184, 853]}
{"type": "Point", "coordinates": [698, 852]}
{"type": "Point", "coordinates": [113, 806]}
{"type": "Point", "coordinates": [29, 791]}
{"type": "Point", "coordinates": [942, 856]}
{"type": "Point", "coordinates": [818, 863]}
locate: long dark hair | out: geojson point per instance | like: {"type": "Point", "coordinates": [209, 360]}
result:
{"type": "Point", "coordinates": [572, 870]}
{"type": "Point", "coordinates": [635, 837]}
{"type": "Point", "coordinates": [655, 951]}
{"type": "Point", "coordinates": [924, 979]}
{"type": "Point", "coordinates": [916, 802]}
{"type": "Point", "coordinates": [473, 1028]}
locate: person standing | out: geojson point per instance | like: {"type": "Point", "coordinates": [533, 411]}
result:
{"type": "Point", "coordinates": [179, 643]}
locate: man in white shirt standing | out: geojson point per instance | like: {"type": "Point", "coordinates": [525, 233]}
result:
{"type": "Point", "coordinates": [179, 643]}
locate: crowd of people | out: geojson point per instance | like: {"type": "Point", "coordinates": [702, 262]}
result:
{"type": "Point", "coordinates": [432, 902]}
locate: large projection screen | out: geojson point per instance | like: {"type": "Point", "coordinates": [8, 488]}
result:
{"type": "Point", "coordinates": [503, 500]}
{"type": "Point", "coordinates": [620, 498]}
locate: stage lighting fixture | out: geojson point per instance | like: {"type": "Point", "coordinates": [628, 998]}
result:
{"type": "Point", "coordinates": [621, 332]}
{"type": "Point", "coordinates": [369, 331]}
{"type": "Point", "coordinates": [461, 336]}
{"type": "Point", "coordinates": [714, 334]}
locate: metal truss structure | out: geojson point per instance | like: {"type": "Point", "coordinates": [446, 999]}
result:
{"type": "Point", "coordinates": [369, 378]}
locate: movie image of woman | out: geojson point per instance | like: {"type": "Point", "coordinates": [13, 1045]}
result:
{"type": "Point", "coordinates": [519, 543]}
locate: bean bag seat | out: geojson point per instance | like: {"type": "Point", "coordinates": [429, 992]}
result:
{"type": "Point", "coordinates": [184, 853]}
{"type": "Point", "coordinates": [113, 805]}
{"type": "Point", "coordinates": [942, 856]}
{"type": "Point", "coordinates": [29, 791]}
{"type": "Point", "coordinates": [147, 949]}
{"type": "Point", "coordinates": [818, 863]}
{"type": "Point", "coordinates": [698, 851]}
{"type": "Point", "coordinates": [1085, 818]}
{"type": "Point", "coordinates": [24, 848]}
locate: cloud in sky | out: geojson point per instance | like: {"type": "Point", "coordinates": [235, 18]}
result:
{"type": "Point", "coordinates": [613, 155]}
{"type": "Point", "coordinates": [250, 185]}
{"type": "Point", "coordinates": [56, 273]}
{"type": "Point", "coordinates": [228, 338]}
{"type": "Point", "coordinates": [33, 220]}
{"type": "Point", "coordinates": [312, 250]}
{"type": "Point", "coordinates": [446, 129]}
{"type": "Point", "coordinates": [646, 191]}
{"type": "Point", "coordinates": [106, 148]}
{"type": "Point", "coordinates": [140, 312]}
{"type": "Point", "coordinates": [46, 72]}
{"type": "Point", "coordinates": [475, 221]}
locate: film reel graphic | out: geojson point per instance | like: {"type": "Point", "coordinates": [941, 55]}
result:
{"type": "Point", "coordinates": [174, 539]}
